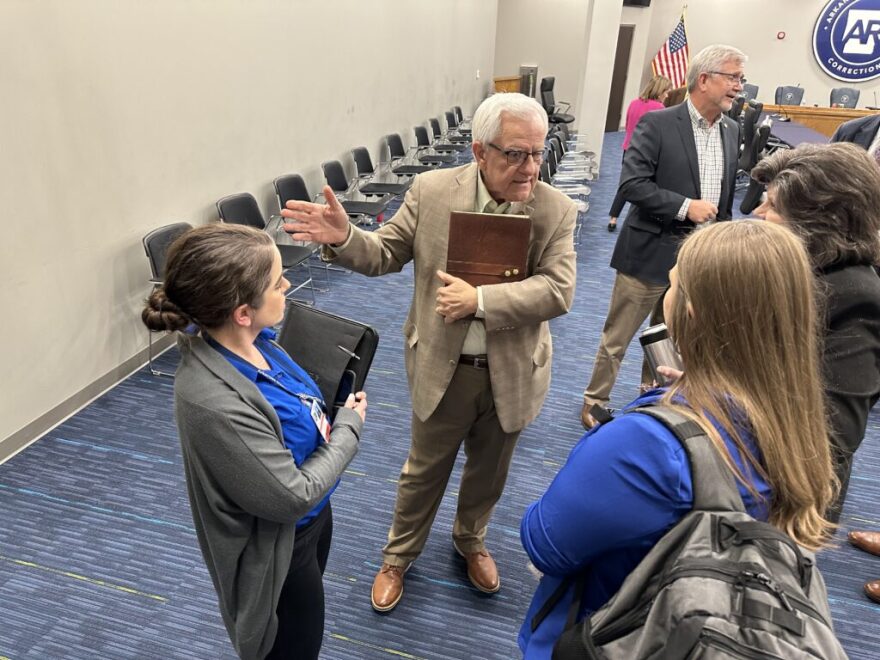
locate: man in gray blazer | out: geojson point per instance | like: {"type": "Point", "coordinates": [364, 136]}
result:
{"type": "Point", "coordinates": [477, 359]}
{"type": "Point", "coordinates": [678, 172]}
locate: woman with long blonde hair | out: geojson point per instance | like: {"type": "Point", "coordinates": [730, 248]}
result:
{"type": "Point", "coordinates": [741, 309]}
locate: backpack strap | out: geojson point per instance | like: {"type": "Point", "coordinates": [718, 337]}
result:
{"type": "Point", "coordinates": [713, 482]}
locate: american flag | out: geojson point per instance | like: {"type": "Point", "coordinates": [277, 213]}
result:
{"type": "Point", "coordinates": [672, 58]}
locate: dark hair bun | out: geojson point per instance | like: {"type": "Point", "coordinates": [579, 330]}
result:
{"type": "Point", "coordinates": [161, 314]}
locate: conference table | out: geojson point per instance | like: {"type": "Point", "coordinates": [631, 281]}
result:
{"type": "Point", "coordinates": [793, 132]}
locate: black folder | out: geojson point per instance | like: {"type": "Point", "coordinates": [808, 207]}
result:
{"type": "Point", "coordinates": [335, 351]}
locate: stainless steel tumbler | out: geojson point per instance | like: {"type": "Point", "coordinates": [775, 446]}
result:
{"type": "Point", "coordinates": [660, 351]}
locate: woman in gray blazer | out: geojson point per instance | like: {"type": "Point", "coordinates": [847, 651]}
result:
{"type": "Point", "coordinates": [260, 458]}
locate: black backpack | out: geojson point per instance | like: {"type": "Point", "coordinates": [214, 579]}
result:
{"type": "Point", "coordinates": [718, 585]}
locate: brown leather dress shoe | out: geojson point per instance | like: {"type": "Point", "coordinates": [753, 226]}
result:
{"type": "Point", "coordinates": [872, 590]}
{"type": "Point", "coordinates": [586, 418]}
{"type": "Point", "coordinates": [867, 541]}
{"type": "Point", "coordinates": [481, 570]}
{"type": "Point", "coordinates": [387, 587]}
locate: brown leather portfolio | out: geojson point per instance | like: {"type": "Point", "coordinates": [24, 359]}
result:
{"type": "Point", "coordinates": [488, 248]}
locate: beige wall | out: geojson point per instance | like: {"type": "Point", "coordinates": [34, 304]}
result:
{"type": "Point", "coordinates": [771, 62]}
{"type": "Point", "coordinates": [549, 34]}
{"type": "Point", "coordinates": [120, 116]}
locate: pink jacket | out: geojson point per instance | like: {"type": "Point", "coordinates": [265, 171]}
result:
{"type": "Point", "coordinates": [634, 112]}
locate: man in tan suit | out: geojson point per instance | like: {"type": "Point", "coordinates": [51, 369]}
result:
{"type": "Point", "coordinates": [477, 359]}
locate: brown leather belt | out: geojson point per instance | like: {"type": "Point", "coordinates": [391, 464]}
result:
{"type": "Point", "coordinates": [476, 361]}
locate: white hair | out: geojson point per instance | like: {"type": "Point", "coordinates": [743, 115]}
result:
{"type": "Point", "coordinates": [711, 58]}
{"type": "Point", "coordinates": [486, 124]}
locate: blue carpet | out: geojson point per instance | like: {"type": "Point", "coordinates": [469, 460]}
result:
{"type": "Point", "coordinates": [99, 558]}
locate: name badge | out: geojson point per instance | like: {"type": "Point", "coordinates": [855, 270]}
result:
{"type": "Point", "coordinates": [320, 420]}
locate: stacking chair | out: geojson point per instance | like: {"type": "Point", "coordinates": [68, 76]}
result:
{"type": "Point", "coordinates": [573, 141]}
{"type": "Point", "coordinates": [242, 209]}
{"type": "Point", "coordinates": [292, 187]}
{"type": "Point", "coordinates": [556, 113]}
{"type": "Point", "coordinates": [572, 164]}
{"type": "Point", "coordinates": [156, 245]}
{"type": "Point", "coordinates": [358, 208]}
{"type": "Point", "coordinates": [403, 161]}
{"type": "Point", "coordinates": [428, 153]}
{"type": "Point", "coordinates": [438, 142]}
{"type": "Point", "coordinates": [844, 97]}
{"type": "Point", "coordinates": [788, 95]}
{"type": "Point", "coordinates": [377, 183]}
{"type": "Point", "coordinates": [453, 133]}
{"type": "Point", "coordinates": [750, 91]}
{"type": "Point", "coordinates": [755, 190]}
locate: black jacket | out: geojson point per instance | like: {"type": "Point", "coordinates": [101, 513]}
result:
{"type": "Point", "coordinates": [861, 131]}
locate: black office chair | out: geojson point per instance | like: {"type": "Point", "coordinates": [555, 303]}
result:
{"type": "Point", "coordinates": [750, 116]}
{"type": "Point", "coordinates": [556, 113]}
{"type": "Point", "coordinates": [359, 210]}
{"type": "Point", "coordinates": [405, 164]}
{"type": "Point", "coordinates": [365, 170]}
{"type": "Point", "coordinates": [788, 95]}
{"type": "Point", "coordinates": [844, 97]}
{"type": "Point", "coordinates": [737, 107]}
{"type": "Point", "coordinates": [755, 190]}
{"type": "Point", "coordinates": [428, 153]}
{"type": "Point", "coordinates": [242, 209]}
{"type": "Point", "coordinates": [156, 245]}
{"type": "Point", "coordinates": [438, 142]}
{"type": "Point", "coordinates": [750, 91]}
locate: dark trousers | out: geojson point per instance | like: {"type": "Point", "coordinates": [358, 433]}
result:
{"type": "Point", "coordinates": [301, 605]}
{"type": "Point", "coordinates": [617, 204]}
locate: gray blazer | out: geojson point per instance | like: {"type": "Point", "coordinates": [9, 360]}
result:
{"type": "Point", "coordinates": [861, 131]}
{"type": "Point", "coordinates": [660, 170]}
{"type": "Point", "coordinates": [245, 491]}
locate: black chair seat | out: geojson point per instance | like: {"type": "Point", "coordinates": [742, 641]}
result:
{"type": "Point", "coordinates": [561, 118]}
{"type": "Point", "coordinates": [364, 208]}
{"type": "Point", "coordinates": [384, 188]}
{"type": "Point", "coordinates": [460, 139]}
{"type": "Point", "coordinates": [449, 146]}
{"type": "Point", "coordinates": [411, 169]}
{"type": "Point", "coordinates": [294, 255]}
{"type": "Point", "coordinates": [436, 158]}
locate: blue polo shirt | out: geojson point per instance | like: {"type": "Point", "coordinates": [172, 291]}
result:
{"type": "Point", "coordinates": [282, 385]}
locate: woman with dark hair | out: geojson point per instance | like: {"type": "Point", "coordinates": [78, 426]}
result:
{"type": "Point", "coordinates": [830, 196]}
{"type": "Point", "coordinates": [260, 457]}
{"type": "Point", "coordinates": [741, 309]}
{"type": "Point", "coordinates": [651, 98]}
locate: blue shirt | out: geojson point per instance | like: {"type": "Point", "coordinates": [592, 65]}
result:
{"type": "Point", "coordinates": [289, 390]}
{"type": "Point", "coordinates": [624, 485]}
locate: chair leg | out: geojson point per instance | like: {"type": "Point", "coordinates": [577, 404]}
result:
{"type": "Point", "coordinates": [153, 370]}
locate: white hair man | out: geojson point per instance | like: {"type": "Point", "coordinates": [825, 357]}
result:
{"type": "Point", "coordinates": [477, 358]}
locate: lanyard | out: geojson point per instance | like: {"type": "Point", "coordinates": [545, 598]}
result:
{"type": "Point", "coordinates": [307, 399]}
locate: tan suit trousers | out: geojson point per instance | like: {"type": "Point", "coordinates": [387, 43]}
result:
{"type": "Point", "coordinates": [465, 414]}
{"type": "Point", "coordinates": [632, 300]}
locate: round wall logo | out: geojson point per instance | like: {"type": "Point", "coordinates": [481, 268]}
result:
{"type": "Point", "coordinates": [846, 40]}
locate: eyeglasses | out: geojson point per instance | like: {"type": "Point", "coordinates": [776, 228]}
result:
{"type": "Point", "coordinates": [732, 77]}
{"type": "Point", "coordinates": [518, 157]}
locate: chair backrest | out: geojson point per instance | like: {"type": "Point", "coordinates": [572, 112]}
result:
{"type": "Point", "coordinates": [458, 113]}
{"type": "Point", "coordinates": [422, 136]}
{"type": "Point", "coordinates": [750, 91]}
{"type": "Point", "coordinates": [451, 122]}
{"type": "Point", "coordinates": [435, 127]}
{"type": "Point", "coordinates": [362, 161]}
{"type": "Point", "coordinates": [548, 99]}
{"type": "Point", "coordinates": [156, 245]}
{"type": "Point", "coordinates": [545, 172]}
{"type": "Point", "coordinates": [844, 97]}
{"type": "Point", "coordinates": [788, 95]}
{"type": "Point", "coordinates": [737, 107]}
{"type": "Point", "coordinates": [749, 122]}
{"type": "Point", "coordinates": [395, 145]}
{"type": "Point", "coordinates": [241, 209]}
{"type": "Point", "coordinates": [291, 187]}
{"type": "Point", "coordinates": [335, 175]}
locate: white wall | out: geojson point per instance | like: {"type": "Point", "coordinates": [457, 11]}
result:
{"type": "Point", "coordinates": [751, 25]}
{"type": "Point", "coordinates": [640, 19]}
{"type": "Point", "coordinates": [120, 116]}
{"type": "Point", "coordinates": [549, 34]}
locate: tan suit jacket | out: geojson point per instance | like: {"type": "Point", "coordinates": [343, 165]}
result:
{"type": "Point", "coordinates": [518, 341]}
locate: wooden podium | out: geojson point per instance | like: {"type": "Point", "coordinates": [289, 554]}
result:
{"type": "Point", "coordinates": [821, 120]}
